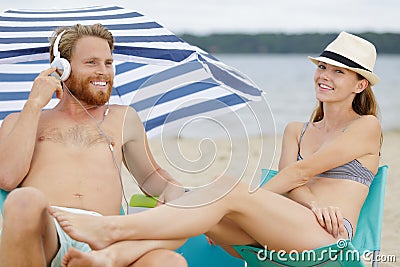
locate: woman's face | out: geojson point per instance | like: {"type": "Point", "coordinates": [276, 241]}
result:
{"type": "Point", "coordinates": [336, 84]}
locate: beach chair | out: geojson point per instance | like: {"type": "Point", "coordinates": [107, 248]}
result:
{"type": "Point", "coordinates": [3, 195]}
{"type": "Point", "coordinates": [367, 239]}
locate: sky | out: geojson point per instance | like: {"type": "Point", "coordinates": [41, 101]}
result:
{"type": "Point", "coordinates": [248, 16]}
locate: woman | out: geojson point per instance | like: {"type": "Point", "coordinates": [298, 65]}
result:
{"type": "Point", "coordinates": [335, 154]}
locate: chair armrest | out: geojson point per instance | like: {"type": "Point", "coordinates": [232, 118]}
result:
{"type": "Point", "coordinates": [140, 200]}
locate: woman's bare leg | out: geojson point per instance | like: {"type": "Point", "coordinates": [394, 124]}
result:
{"type": "Point", "coordinates": [128, 253]}
{"type": "Point", "coordinates": [270, 218]}
{"type": "Point", "coordinates": [227, 233]}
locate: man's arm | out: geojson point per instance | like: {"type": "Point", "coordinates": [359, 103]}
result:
{"type": "Point", "coordinates": [18, 132]}
{"type": "Point", "coordinates": [17, 142]}
{"type": "Point", "coordinates": [151, 178]}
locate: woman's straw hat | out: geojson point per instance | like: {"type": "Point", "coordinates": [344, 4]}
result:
{"type": "Point", "coordinates": [353, 53]}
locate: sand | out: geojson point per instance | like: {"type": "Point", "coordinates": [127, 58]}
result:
{"type": "Point", "coordinates": [391, 217]}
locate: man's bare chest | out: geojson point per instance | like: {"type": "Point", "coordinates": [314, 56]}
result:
{"type": "Point", "coordinates": [80, 135]}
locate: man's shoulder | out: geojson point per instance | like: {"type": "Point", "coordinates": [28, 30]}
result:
{"type": "Point", "coordinates": [122, 108]}
{"type": "Point", "coordinates": [10, 118]}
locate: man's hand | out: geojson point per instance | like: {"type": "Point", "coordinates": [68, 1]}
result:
{"type": "Point", "coordinates": [330, 218]}
{"type": "Point", "coordinates": [44, 87]}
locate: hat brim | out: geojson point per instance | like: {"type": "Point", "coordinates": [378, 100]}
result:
{"type": "Point", "coordinates": [371, 77]}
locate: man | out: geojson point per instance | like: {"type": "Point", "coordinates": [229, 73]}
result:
{"type": "Point", "coordinates": [71, 156]}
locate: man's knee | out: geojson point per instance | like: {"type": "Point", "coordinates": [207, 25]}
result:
{"type": "Point", "coordinates": [173, 259]}
{"type": "Point", "coordinates": [167, 258]}
{"type": "Point", "coordinates": [25, 206]}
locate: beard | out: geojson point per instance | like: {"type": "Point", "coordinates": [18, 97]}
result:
{"type": "Point", "coordinates": [80, 88]}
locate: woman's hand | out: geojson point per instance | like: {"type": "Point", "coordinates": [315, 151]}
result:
{"type": "Point", "coordinates": [210, 241]}
{"type": "Point", "coordinates": [330, 218]}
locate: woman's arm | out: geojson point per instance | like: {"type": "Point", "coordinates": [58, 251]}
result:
{"type": "Point", "coordinates": [282, 184]}
{"type": "Point", "coordinates": [360, 139]}
{"type": "Point", "coordinates": [290, 150]}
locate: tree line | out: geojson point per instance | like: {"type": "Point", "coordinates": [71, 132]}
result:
{"type": "Point", "coordinates": [275, 43]}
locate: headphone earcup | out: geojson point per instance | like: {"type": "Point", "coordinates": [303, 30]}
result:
{"type": "Point", "coordinates": [63, 67]}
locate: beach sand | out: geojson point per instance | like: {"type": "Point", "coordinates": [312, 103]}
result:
{"type": "Point", "coordinates": [391, 216]}
{"type": "Point", "coordinates": [196, 163]}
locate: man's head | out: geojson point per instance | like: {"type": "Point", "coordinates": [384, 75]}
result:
{"type": "Point", "coordinates": [74, 33]}
{"type": "Point", "coordinates": [88, 49]}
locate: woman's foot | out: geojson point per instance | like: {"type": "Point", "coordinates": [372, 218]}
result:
{"type": "Point", "coordinates": [97, 231]}
{"type": "Point", "coordinates": [77, 258]}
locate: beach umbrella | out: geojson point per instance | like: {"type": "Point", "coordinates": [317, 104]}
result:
{"type": "Point", "coordinates": [168, 81]}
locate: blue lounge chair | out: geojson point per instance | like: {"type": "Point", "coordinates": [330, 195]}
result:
{"type": "Point", "coordinates": [3, 195]}
{"type": "Point", "coordinates": [347, 253]}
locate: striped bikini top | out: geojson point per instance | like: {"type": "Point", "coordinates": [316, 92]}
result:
{"type": "Point", "coordinates": [352, 170]}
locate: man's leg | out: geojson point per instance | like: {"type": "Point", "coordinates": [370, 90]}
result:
{"type": "Point", "coordinates": [161, 257]}
{"type": "Point", "coordinates": [128, 253]}
{"type": "Point", "coordinates": [29, 236]}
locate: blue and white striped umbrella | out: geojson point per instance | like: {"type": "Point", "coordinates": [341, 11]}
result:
{"type": "Point", "coordinates": [167, 80]}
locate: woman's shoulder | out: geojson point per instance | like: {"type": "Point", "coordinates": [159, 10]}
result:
{"type": "Point", "coordinates": [293, 130]}
{"type": "Point", "coordinates": [367, 122]}
{"type": "Point", "coordinates": [370, 119]}
{"type": "Point", "coordinates": [295, 127]}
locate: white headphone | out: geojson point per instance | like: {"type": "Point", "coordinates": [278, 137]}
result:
{"type": "Point", "coordinates": [63, 67]}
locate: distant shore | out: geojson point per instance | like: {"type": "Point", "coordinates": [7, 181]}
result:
{"type": "Point", "coordinates": [284, 43]}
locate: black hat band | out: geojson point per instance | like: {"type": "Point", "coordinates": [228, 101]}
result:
{"type": "Point", "coordinates": [343, 60]}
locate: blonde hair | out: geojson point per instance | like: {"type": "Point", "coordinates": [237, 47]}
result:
{"type": "Point", "coordinates": [74, 33]}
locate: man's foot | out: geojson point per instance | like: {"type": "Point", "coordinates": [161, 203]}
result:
{"type": "Point", "coordinates": [77, 258]}
{"type": "Point", "coordinates": [97, 231]}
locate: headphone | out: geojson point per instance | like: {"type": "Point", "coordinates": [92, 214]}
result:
{"type": "Point", "coordinates": [63, 67]}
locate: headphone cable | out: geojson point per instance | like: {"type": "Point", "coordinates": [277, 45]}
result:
{"type": "Point", "coordinates": [101, 131]}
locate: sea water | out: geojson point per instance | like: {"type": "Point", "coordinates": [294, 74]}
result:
{"type": "Point", "coordinates": [287, 80]}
